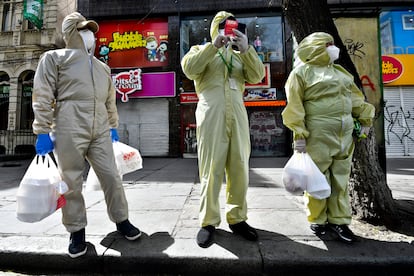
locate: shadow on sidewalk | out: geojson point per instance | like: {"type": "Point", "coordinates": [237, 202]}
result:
{"type": "Point", "coordinates": [405, 209]}
{"type": "Point", "coordinates": [143, 255]}
{"type": "Point", "coordinates": [322, 256]}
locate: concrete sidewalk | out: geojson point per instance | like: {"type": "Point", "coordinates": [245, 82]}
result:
{"type": "Point", "coordinates": [163, 201]}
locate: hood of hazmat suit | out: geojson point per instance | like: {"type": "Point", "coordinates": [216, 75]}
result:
{"type": "Point", "coordinates": [73, 90]}
{"type": "Point", "coordinates": [321, 94]}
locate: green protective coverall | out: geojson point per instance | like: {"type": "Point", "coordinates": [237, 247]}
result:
{"type": "Point", "coordinates": [74, 98]}
{"type": "Point", "coordinates": [223, 138]}
{"type": "Point", "coordinates": [322, 102]}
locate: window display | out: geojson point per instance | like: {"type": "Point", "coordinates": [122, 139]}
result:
{"type": "Point", "coordinates": [264, 100]}
{"type": "Point", "coordinates": [264, 32]}
{"type": "Point", "coordinates": [267, 133]}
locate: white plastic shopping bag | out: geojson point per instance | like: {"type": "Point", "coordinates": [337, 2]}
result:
{"type": "Point", "coordinates": [301, 174]}
{"type": "Point", "coordinates": [92, 181]}
{"type": "Point", "coordinates": [317, 185]}
{"type": "Point", "coordinates": [41, 190]}
{"type": "Point", "coordinates": [127, 158]}
{"type": "Point", "coordinates": [294, 174]}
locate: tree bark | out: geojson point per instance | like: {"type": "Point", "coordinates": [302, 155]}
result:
{"type": "Point", "coordinates": [371, 199]}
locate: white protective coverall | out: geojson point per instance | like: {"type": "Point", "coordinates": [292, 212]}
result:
{"type": "Point", "coordinates": [223, 137]}
{"type": "Point", "coordinates": [74, 98]}
{"type": "Point", "coordinates": [322, 102]}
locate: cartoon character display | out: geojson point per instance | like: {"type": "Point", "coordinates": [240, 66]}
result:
{"type": "Point", "coordinates": [162, 49]}
{"type": "Point", "coordinates": [104, 53]}
{"type": "Point", "coordinates": [151, 46]}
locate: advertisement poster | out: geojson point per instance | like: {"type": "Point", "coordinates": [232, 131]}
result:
{"type": "Point", "coordinates": [267, 135]}
{"type": "Point", "coordinates": [265, 94]}
{"type": "Point", "coordinates": [397, 69]}
{"type": "Point", "coordinates": [135, 84]}
{"type": "Point", "coordinates": [133, 43]}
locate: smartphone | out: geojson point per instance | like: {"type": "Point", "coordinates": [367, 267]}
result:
{"type": "Point", "coordinates": [229, 26]}
{"type": "Point", "coordinates": [233, 24]}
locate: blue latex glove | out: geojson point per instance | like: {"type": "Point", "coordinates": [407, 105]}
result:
{"type": "Point", "coordinates": [44, 144]}
{"type": "Point", "coordinates": [114, 135]}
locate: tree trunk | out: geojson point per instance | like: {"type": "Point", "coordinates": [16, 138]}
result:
{"type": "Point", "coordinates": [371, 199]}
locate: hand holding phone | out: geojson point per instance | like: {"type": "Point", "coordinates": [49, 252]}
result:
{"type": "Point", "coordinates": [236, 34]}
{"type": "Point", "coordinates": [239, 41]}
{"type": "Point", "coordinates": [230, 25]}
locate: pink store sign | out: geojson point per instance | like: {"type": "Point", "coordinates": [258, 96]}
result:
{"type": "Point", "coordinates": [134, 84]}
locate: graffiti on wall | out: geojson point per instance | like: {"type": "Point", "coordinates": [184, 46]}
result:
{"type": "Point", "coordinates": [354, 48]}
{"type": "Point", "coordinates": [399, 123]}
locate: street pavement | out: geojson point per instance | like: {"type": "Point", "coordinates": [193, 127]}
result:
{"type": "Point", "coordinates": [163, 202]}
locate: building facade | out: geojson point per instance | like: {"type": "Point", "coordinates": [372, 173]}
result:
{"type": "Point", "coordinates": [28, 28]}
{"type": "Point", "coordinates": [143, 43]}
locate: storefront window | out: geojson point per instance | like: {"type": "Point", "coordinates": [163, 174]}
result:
{"type": "Point", "coordinates": [267, 133]}
{"type": "Point", "coordinates": [264, 101]}
{"type": "Point", "coordinates": [264, 33]}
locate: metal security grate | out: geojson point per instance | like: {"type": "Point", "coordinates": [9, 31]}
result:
{"type": "Point", "coordinates": [17, 142]}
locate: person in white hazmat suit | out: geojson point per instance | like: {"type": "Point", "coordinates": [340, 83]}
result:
{"type": "Point", "coordinates": [322, 102]}
{"type": "Point", "coordinates": [75, 114]}
{"type": "Point", "coordinates": [223, 138]}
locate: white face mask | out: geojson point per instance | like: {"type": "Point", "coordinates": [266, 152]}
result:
{"type": "Point", "coordinates": [333, 53]}
{"type": "Point", "coordinates": [88, 38]}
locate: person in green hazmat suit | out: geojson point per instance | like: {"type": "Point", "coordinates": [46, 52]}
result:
{"type": "Point", "coordinates": [322, 102]}
{"type": "Point", "coordinates": [223, 138]}
{"type": "Point", "coordinates": [76, 116]}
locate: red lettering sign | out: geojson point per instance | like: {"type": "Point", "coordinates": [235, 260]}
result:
{"type": "Point", "coordinates": [392, 69]}
{"type": "Point", "coordinates": [188, 98]}
{"type": "Point", "coordinates": [127, 82]}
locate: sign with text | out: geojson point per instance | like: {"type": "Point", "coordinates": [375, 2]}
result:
{"type": "Point", "coordinates": [264, 94]}
{"type": "Point", "coordinates": [188, 97]}
{"type": "Point", "coordinates": [398, 69]}
{"type": "Point", "coordinates": [134, 84]}
{"type": "Point", "coordinates": [133, 43]}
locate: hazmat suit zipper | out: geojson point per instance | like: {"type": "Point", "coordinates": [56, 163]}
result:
{"type": "Point", "coordinates": [227, 95]}
{"type": "Point", "coordinates": [91, 70]}
{"type": "Point", "coordinates": [342, 133]}
{"type": "Point", "coordinates": [94, 93]}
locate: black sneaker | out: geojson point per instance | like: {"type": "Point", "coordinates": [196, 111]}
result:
{"type": "Point", "coordinates": [77, 244]}
{"type": "Point", "coordinates": [129, 231]}
{"type": "Point", "coordinates": [205, 236]}
{"type": "Point", "coordinates": [344, 233]}
{"type": "Point", "coordinates": [244, 230]}
{"type": "Point", "coordinates": [318, 229]}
